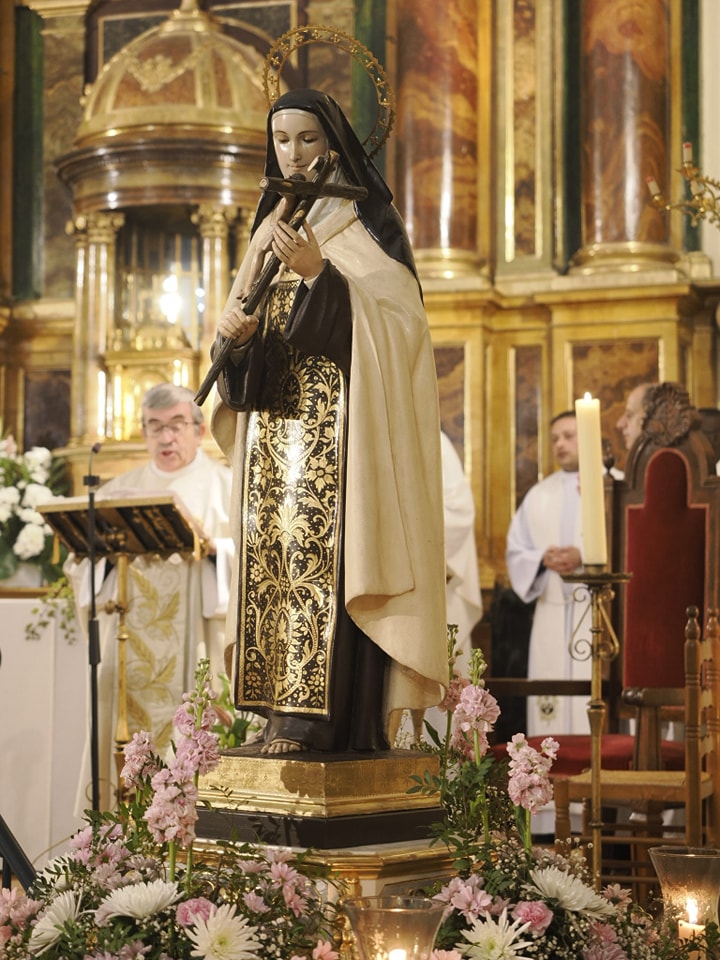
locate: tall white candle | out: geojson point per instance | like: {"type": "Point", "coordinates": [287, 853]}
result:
{"type": "Point", "coordinates": [592, 491]}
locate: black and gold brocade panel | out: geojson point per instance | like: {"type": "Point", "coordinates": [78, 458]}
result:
{"type": "Point", "coordinates": [292, 514]}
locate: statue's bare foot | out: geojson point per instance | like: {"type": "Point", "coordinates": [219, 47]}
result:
{"type": "Point", "coordinates": [282, 745]}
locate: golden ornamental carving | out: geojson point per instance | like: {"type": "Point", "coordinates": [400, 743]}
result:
{"type": "Point", "coordinates": [213, 220]}
{"type": "Point", "coordinates": [158, 71]}
{"type": "Point", "coordinates": [289, 42]}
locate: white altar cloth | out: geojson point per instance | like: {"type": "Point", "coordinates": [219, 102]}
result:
{"type": "Point", "coordinates": [44, 715]}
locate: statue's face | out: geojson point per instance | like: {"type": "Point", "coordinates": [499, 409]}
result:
{"type": "Point", "coordinates": [299, 138]}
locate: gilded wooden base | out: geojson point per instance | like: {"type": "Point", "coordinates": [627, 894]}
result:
{"type": "Point", "coordinates": [317, 800]}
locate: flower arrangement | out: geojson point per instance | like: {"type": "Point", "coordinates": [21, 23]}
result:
{"type": "Point", "coordinates": [28, 480]}
{"type": "Point", "coordinates": [511, 900]}
{"type": "Point", "coordinates": [134, 886]}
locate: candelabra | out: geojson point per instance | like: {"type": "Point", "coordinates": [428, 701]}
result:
{"type": "Point", "coordinates": [704, 200]}
{"type": "Point", "coordinates": [604, 646]}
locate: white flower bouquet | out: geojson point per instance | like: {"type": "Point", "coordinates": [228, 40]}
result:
{"type": "Point", "coordinates": [28, 480]}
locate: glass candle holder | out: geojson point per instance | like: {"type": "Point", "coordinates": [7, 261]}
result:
{"type": "Point", "coordinates": [394, 928]}
{"type": "Point", "coordinates": [690, 882]}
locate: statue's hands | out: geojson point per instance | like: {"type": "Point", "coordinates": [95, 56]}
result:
{"type": "Point", "coordinates": [301, 255]}
{"type": "Point", "coordinates": [238, 326]}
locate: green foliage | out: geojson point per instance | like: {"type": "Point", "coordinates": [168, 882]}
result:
{"type": "Point", "coordinates": [57, 603]}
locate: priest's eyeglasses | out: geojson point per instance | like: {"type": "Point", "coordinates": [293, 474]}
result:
{"type": "Point", "coordinates": [154, 428]}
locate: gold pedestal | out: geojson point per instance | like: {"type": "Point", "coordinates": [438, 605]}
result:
{"type": "Point", "coordinates": [318, 800]}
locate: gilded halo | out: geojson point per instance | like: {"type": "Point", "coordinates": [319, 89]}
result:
{"type": "Point", "coordinates": [317, 33]}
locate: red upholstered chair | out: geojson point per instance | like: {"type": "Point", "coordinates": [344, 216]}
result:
{"type": "Point", "coordinates": [670, 512]}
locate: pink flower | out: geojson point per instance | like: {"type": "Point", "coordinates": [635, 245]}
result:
{"type": "Point", "coordinates": [466, 896]}
{"type": "Point", "coordinates": [141, 760]}
{"type": "Point", "coordinates": [477, 709]}
{"type": "Point", "coordinates": [529, 785]}
{"type": "Point", "coordinates": [190, 911]}
{"type": "Point", "coordinates": [604, 951]}
{"type": "Point", "coordinates": [16, 907]}
{"type": "Point", "coordinates": [536, 913]}
{"type": "Point", "coordinates": [293, 900]}
{"type": "Point", "coordinates": [250, 866]}
{"type": "Point", "coordinates": [464, 744]}
{"type": "Point", "coordinates": [324, 951]}
{"type": "Point", "coordinates": [604, 944]}
{"type": "Point", "coordinates": [200, 751]}
{"type": "Point", "coordinates": [255, 902]}
{"type": "Point", "coordinates": [452, 695]}
{"type": "Point", "coordinates": [620, 896]}
{"type": "Point", "coordinates": [171, 816]}
{"type": "Point", "coordinates": [446, 955]}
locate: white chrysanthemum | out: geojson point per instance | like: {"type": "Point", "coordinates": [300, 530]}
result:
{"type": "Point", "coordinates": [38, 462]}
{"type": "Point", "coordinates": [9, 495]}
{"type": "Point", "coordinates": [49, 927]}
{"type": "Point", "coordinates": [139, 900]}
{"type": "Point", "coordinates": [223, 936]}
{"type": "Point", "coordinates": [30, 542]}
{"type": "Point", "coordinates": [570, 892]}
{"type": "Point", "coordinates": [495, 939]}
{"type": "Point", "coordinates": [28, 515]}
{"type": "Point", "coordinates": [36, 494]}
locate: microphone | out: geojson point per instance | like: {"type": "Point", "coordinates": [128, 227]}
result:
{"type": "Point", "coordinates": [91, 481]}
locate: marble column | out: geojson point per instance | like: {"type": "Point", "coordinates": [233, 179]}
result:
{"type": "Point", "coordinates": [95, 237]}
{"type": "Point", "coordinates": [436, 144]}
{"type": "Point", "coordinates": [626, 87]}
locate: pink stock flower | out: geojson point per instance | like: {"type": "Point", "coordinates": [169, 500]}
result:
{"type": "Point", "coordinates": [536, 913]}
{"type": "Point", "coordinates": [452, 695]}
{"type": "Point", "coordinates": [200, 751]}
{"type": "Point", "coordinates": [141, 760]}
{"type": "Point", "coordinates": [171, 816]}
{"type": "Point", "coordinates": [477, 709]}
{"type": "Point", "coordinates": [529, 785]}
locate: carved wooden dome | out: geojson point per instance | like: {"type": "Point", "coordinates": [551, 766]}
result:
{"type": "Point", "coordinates": [177, 113]}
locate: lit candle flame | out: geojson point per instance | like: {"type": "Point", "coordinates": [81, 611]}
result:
{"type": "Point", "coordinates": [691, 908]}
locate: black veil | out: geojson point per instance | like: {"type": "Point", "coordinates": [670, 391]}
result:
{"type": "Point", "coordinates": [377, 213]}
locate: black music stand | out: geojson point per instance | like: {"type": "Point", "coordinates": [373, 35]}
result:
{"type": "Point", "coordinates": [125, 527]}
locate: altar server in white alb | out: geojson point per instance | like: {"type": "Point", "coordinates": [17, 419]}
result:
{"type": "Point", "coordinates": [176, 607]}
{"type": "Point", "coordinates": [543, 543]}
